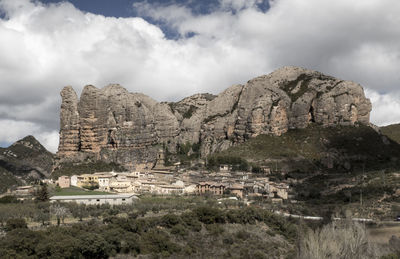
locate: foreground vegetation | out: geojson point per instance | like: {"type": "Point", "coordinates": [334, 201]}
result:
{"type": "Point", "coordinates": [175, 227]}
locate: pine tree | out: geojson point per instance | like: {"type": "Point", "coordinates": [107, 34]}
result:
{"type": "Point", "coordinates": [43, 193]}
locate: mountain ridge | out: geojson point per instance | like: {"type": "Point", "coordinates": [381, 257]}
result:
{"type": "Point", "coordinates": [23, 161]}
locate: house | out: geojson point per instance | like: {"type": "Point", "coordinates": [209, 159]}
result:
{"type": "Point", "coordinates": [24, 190]}
{"type": "Point", "coordinates": [112, 199]}
{"type": "Point", "coordinates": [74, 180]}
{"type": "Point", "coordinates": [210, 187]}
{"type": "Point", "coordinates": [104, 181]}
{"type": "Point", "coordinates": [86, 180]}
{"type": "Point", "coordinates": [121, 185]}
{"type": "Point", "coordinates": [169, 189]}
{"type": "Point", "coordinates": [265, 169]}
{"type": "Point", "coordinates": [190, 189]}
{"type": "Point", "coordinates": [225, 167]}
{"type": "Point", "coordinates": [64, 181]}
{"type": "Point", "coordinates": [237, 189]}
{"type": "Point", "coordinates": [281, 190]}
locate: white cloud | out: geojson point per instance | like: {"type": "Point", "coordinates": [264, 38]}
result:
{"type": "Point", "coordinates": [12, 130]}
{"type": "Point", "coordinates": [49, 140]}
{"type": "Point", "coordinates": [45, 47]}
{"type": "Point", "coordinates": [386, 107]}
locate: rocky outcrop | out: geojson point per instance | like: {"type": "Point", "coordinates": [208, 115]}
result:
{"type": "Point", "coordinates": [129, 128]}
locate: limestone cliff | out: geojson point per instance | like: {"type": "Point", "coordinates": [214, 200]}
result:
{"type": "Point", "coordinates": [129, 128]}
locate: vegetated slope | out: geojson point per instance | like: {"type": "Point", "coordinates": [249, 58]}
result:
{"type": "Point", "coordinates": [331, 166]}
{"type": "Point", "coordinates": [26, 159]}
{"type": "Point", "coordinates": [392, 131]}
{"type": "Point", "coordinates": [315, 148]}
{"type": "Point", "coordinates": [7, 180]}
{"type": "Point", "coordinates": [86, 167]}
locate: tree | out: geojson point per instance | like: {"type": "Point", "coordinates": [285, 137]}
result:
{"type": "Point", "coordinates": [60, 212]}
{"type": "Point", "coordinates": [43, 193]}
{"type": "Point", "coordinates": [78, 210]}
{"type": "Point", "coordinates": [43, 212]}
{"type": "Point", "coordinates": [336, 240]}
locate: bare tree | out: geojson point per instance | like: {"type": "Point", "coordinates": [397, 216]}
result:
{"type": "Point", "coordinates": [60, 212]}
{"type": "Point", "coordinates": [345, 239]}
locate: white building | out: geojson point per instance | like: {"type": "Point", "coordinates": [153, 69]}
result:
{"type": "Point", "coordinates": [112, 199]}
{"type": "Point", "coordinates": [74, 180]}
{"type": "Point", "coordinates": [122, 186]}
{"type": "Point", "coordinates": [104, 182]}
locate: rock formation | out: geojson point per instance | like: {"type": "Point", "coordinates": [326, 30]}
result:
{"type": "Point", "coordinates": [129, 128]}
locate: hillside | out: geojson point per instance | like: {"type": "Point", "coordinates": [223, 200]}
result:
{"type": "Point", "coordinates": [315, 148]}
{"type": "Point", "coordinates": [25, 160]}
{"type": "Point", "coordinates": [329, 168]}
{"type": "Point", "coordinates": [392, 131]}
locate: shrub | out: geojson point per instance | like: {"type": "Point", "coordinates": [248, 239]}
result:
{"type": "Point", "coordinates": [170, 220]}
{"type": "Point", "coordinates": [15, 223]}
{"type": "Point", "coordinates": [336, 240]}
{"type": "Point", "coordinates": [215, 229]}
{"type": "Point", "coordinates": [190, 219]}
{"type": "Point", "coordinates": [9, 199]}
{"type": "Point", "coordinates": [394, 244]}
{"type": "Point", "coordinates": [157, 241]}
{"type": "Point", "coordinates": [179, 230]}
{"type": "Point", "coordinates": [208, 215]}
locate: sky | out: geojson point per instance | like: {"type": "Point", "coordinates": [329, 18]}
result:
{"type": "Point", "coordinates": [175, 48]}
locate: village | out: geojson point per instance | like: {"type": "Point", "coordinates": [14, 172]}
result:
{"type": "Point", "coordinates": [167, 180]}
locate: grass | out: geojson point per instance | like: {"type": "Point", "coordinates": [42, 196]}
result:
{"type": "Point", "coordinates": [382, 234]}
{"type": "Point", "coordinates": [70, 169]}
{"type": "Point", "coordinates": [77, 191]}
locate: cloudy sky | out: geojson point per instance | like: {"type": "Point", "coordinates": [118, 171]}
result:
{"type": "Point", "coordinates": [174, 48]}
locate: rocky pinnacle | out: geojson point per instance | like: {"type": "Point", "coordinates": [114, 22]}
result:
{"type": "Point", "coordinates": [114, 125]}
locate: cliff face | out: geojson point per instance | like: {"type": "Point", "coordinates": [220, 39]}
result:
{"type": "Point", "coordinates": [128, 128]}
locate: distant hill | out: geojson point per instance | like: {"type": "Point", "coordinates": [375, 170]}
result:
{"type": "Point", "coordinates": [392, 131]}
{"type": "Point", "coordinates": [23, 161]}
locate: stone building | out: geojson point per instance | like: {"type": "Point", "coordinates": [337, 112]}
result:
{"type": "Point", "coordinates": [210, 187]}
{"type": "Point", "coordinates": [64, 181]}
{"type": "Point", "coordinates": [237, 189]}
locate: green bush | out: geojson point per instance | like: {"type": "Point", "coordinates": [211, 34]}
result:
{"type": "Point", "coordinates": [157, 241]}
{"type": "Point", "coordinates": [190, 219]}
{"type": "Point", "coordinates": [208, 215]}
{"type": "Point", "coordinates": [9, 199]}
{"type": "Point", "coordinates": [179, 230]}
{"type": "Point", "coordinates": [15, 223]}
{"type": "Point", "coordinates": [170, 220]}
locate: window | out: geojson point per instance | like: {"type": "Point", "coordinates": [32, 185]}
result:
{"type": "Point", "coordinates": [123, 199]}
{"type": "Point", "coordinates": [98, 200]}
